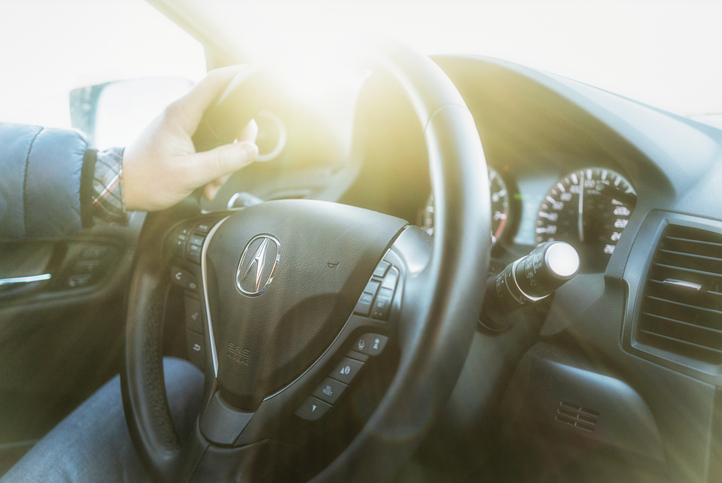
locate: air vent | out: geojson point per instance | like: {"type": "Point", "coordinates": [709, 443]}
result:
{"type": "Point", "coordinates": [576, 416]}
{"type": "Point", "coordinates": [681, 310]}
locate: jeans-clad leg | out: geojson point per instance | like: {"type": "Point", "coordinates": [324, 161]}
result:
{"type": "Point", "coordinates": [93, 443]}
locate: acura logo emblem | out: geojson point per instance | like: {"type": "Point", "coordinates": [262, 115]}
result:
{"type": "Point", "coordinates": [258, 264]}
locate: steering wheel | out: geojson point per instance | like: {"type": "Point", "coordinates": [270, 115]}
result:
{"type": "Point", "coordinates": [299, 296]}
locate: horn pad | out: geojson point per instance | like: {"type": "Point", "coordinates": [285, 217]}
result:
{"type": "Point", "coordinates": [283, 278]}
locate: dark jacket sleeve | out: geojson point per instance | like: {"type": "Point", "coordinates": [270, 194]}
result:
{"type": "Point", "coordinates": [40, 177]}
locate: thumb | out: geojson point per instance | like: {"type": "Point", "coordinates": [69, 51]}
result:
{"type": "Point", "coordinates": [202, 168]}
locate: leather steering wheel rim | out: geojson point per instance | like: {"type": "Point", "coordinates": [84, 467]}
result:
{"type": "Point", "coordinates": [436, 330]}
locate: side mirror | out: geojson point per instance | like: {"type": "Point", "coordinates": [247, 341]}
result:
{"type": "Point", "coordinates": [114, 113]}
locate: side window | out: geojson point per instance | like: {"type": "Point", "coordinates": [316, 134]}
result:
{"type": "Point", "coordinates": [51, 48]}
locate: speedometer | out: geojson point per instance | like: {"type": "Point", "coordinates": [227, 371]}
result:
{"type": "Point", "coordinates": [499, 207]}
{"type": "Point", "coordinates": [589, 209]}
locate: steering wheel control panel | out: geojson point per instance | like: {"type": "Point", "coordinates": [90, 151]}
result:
{"type": "Point", "coordinates": [193, 315]}
{"type": "Point", "coordinates": [376, 303]}
{"type": "Point", "coordinates": [330, 390]}
{"type": "Point", "coordinates": [186, 242]}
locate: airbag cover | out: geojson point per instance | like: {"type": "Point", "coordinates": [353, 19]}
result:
{"type": "Point", "coordinates": [318, 257]}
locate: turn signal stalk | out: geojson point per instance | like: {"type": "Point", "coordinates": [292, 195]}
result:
{"type": "Point", "coordinates": [529, 280]}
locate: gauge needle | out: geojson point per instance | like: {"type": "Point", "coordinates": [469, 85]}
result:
{"type": "Point", "coordinates": [629, 198]}
{"type": "Point", "coordinates": [580, 219]}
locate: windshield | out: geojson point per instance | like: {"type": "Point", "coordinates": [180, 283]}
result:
{"type": "Point", "coordinates": [663, 53]}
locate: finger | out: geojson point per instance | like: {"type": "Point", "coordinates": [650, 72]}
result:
{"type": "Point", "coordinates": [250, 132]}
{"type": "Point", "coordinates": [222, 180]}
{"type": "Point", "coordinates": [202, 168]}
{"type": "Point", "coordinates": [189, 109]}
{"type": "Point", "coordinates": [211, 189]}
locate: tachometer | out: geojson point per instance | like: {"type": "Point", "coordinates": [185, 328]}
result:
{"type": "Point", "coordinates": [499, 207]}
{"type": "Point", "coordinates": [589, 209]}
{"type": "Point", "coordinates": [499, 204]}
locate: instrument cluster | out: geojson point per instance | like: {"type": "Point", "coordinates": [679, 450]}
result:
{"type": "Point", "coordinates": [500, 203]}
{"type": "Point", "coordinates": [587, 208]}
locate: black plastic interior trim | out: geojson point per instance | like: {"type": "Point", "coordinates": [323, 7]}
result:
{"type": "Point", "coordinates": [635, 275]}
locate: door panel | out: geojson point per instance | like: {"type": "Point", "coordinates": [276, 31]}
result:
{"type": "Point", "coordinates": [60, 338]}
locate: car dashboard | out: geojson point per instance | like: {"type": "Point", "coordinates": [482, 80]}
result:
{"type": "Point", "coordinates": [535, 189]}
{"type": "Point", "coordinates": [619, 372]}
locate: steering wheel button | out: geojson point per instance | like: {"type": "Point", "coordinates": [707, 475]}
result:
{"type": "Point", "coordinates": [312, 409]}
{"type": "Point", "coordinates": [194, 253]}
{"type": "Point", "coordinates": [203, 228]}
{"type": "Point", "coordinates": [330, 390]}
{"type": "Point", "coordinates": [196, 348]}
{"type": "Point", "coordinates": [371, 344]}
{"type": "Point", "coordinates": [371, 288]}
{"type": "Point", "coordinates": [194, 318]}
{"type": "Point", "coordinates": [183, 278]}
{"type": "Point", "coordinates": [197, 240]}
{"type": "Point", "coordinates": [381, 269]}
{"type": "Point", "coordinates": [391, 279]}
{"type": "Point", "coordinates": [382, 306]}
{"type": "Point", "coordinates": [362, 308]}
{"type": "Point", "coordinates": [346, 370]}
{"type": "Point", "coordinates": [358, 356]}
{"type": "Point", "coordinates": [178, 246]}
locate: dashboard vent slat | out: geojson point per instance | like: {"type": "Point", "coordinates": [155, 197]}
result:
{"type": "Point", "coordinates": [686, 306]}
{"type": "Point", "coordinates": [687, 270]}
{"type": "Point", "coordinates": [675, 240]}
{"type": "Point", "coordinates": [686, 324]}
{"type": "Point", "coordinates": [576, 416]}
{"type": "Point", "coordinates": [681, 309]}
{"type": "Point", "coordinates": [672, 339]}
